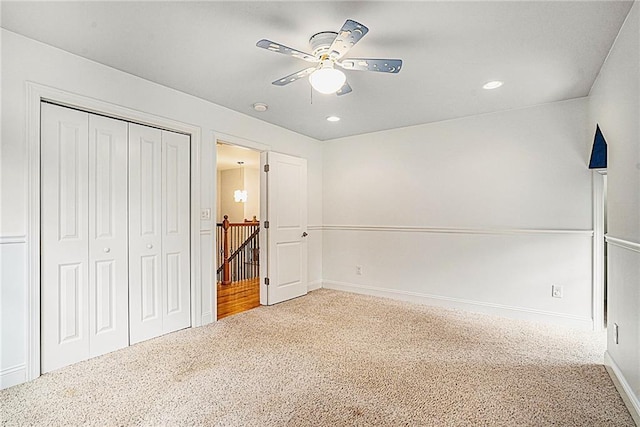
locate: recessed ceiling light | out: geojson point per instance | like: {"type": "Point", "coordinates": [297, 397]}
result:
{"type": "Point", "coordinates": [333, 119]}
{"type": "Point", "coordinates": [492, 84]}
{"type": "Point", "coordinates": [260, 107]}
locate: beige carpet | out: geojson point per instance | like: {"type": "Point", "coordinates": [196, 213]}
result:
{"type": "Point", "coordinates": [336, 359]}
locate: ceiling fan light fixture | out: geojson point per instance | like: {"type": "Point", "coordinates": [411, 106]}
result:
{"type": "Point", "coordinates": [327, 79]}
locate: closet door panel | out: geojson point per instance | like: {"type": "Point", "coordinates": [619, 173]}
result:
{"type": "Point", "coordinates": [64, 237]}
{"type": "Point", "coordinates": [145, 233]}
{"type": "Point", "coordinates": [108, 230]}
{"type": "Point", "coordinates": [175, 227]}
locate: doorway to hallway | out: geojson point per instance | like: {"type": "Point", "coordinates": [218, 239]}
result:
{"type": "Point", "coordinates": [237, 229]}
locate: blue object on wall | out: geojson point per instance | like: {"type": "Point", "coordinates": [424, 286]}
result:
{"type": "Point", "coordinates": [599, 151]}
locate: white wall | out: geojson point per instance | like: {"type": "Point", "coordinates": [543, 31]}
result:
{"type": "Point", "coordinates": [252, 187]}
{"type": "Point", "coordinates": [615, 105]}
{"type": "Point", "coordinates": [230, 181]}
{"type": "Point", "coordinates": [483, 213]}
{"type": "Point", "coordinates": [26, 60]}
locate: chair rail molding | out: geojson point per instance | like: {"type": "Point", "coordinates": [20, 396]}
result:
{"type": "Point", "coordinates": [622, 243]}
{"type": "Point", "coordinates": [15, 239]}
{"type": "Point", "coordinates": [455, 230]}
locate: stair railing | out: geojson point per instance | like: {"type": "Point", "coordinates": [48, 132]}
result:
{"type": "Point", "coordinates": [238, 250]}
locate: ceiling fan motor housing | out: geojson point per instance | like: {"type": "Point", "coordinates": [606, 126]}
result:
{"type": "Point", "coordinates": [321, 42]}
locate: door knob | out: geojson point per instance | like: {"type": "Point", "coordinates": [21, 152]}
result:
{"type": "Point", "coordinates": [304, 234]}
{"type": "Point", "coordinates": [149, 246]}
{"type": "Point", "coordinates": [107, 250]}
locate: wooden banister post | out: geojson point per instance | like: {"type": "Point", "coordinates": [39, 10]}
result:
{"type": "Point", "coordinates": [226, 269]}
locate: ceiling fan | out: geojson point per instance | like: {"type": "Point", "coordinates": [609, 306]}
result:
{"type": "Point", "coordinates": [328, 48]}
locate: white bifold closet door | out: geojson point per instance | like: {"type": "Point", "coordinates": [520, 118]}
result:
{"type": "Point", "coordinates": [83, 236]}
{"type": "Point", "coordinates": [159, 261]}
{"type": "Point", "coordinates": [115, 255]}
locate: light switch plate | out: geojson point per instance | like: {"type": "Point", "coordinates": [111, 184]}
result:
{"type": "Point", "coordinates": [205, 214]}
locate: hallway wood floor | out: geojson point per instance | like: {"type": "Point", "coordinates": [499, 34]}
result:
{"type": "Point", "coordinates": [238, 297]}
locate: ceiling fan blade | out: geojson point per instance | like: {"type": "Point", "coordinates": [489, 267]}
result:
{"type": "Point", "coordinates": [285, 50]}
{"type": "Point", "coordinates": [345, 89]}
{"type": "Point", "coordinates": [350, 33]}
{"type": "Point", "coordinates": [295, 76]}
{"type": "Point", "coordinates": [366, 64]}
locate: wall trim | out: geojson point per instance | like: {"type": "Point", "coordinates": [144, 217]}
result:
{"type": "Point", "coordinates": [208, 316]}
{"type": "Point", "coordinates": [36, 93]}
{"type": "Point", "coordinates": [454, 230]}
{"type": "Point", "coordinates": [598, 245]}
{"type": "Point", "coordinates": [514, 312]}
{"type": "Point", "coordinates": [312, 286]}
{"type": "Point", "coordinates": [13, 375]}
{"type": "Point", "coordinates": [8, 240]}
{"type": "Point", "coordinates": [622, 243]}
{"type": "Point", "coordinates": [623, 387]}
{"type": "Point", "coordinates": [314, 227]}
{"type": "Point", "coordinates": [223, 138]}
{"type": "Point", "coordinates": [238, 140]}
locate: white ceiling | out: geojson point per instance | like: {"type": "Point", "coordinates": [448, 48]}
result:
{"type": "Point", "coordinates": [544, 51]}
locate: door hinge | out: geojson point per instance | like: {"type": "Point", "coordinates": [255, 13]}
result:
{"type": "Point", "coordinates": [266, 281]}
{"type": "Point", "coordinates": [266, 167]}
{"type": "Point", "coordinates": [266, 224]}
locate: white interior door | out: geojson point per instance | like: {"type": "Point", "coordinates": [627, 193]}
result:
{"type": "Point", "coordinates": [286, 211]}
{"type": "Point", "coordinates": [175, 232]}
{"type": "Point", "coordinates": [64, 237]}
{"type": "Point", "coordinates": [115, 234]}
{"type": "Point", "coordinates": [145, 233]}
{"type": "Point", "coordinates": [159, 240]}
{"type": "Point", "coordinates": [108, 256]}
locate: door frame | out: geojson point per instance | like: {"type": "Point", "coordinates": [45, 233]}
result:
{"type": "Point", "coordinates": [263, 257]}
{"type": "Point", "coordinates": [36, 93]}
{"type": "Point", "coordinates": [599, 271]}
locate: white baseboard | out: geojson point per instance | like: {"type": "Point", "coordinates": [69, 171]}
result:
{"type": "Point", "coordinates": [513, 312]}
{"type": "Point", "coordinates": [312, 286]}
{"type": "Point", "coordinates": [623, 387]}
{"type": "Point", "coordinates": [13, 376]}
{"type": "Point", "coordinates": [207, 318]}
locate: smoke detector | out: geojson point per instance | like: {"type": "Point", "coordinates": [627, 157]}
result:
{"type": "Point", "coordinates": [260, 107]}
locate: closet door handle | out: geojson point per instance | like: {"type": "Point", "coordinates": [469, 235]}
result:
{"type": "Point", "coordinates": [149, 246]}
{"type": "Point", "coordinates": [107, 250]}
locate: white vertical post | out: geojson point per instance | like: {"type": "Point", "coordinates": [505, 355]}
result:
{"type": "Point", "coordinates": [598, 250]}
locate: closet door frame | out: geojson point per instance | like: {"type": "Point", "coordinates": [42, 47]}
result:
{"type": "Point", "coordinates": [36, 94]}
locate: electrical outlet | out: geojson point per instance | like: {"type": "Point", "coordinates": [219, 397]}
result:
{"type": "Point", "coordinates": [205, 214]}
{"type": "Point", "coordinates": [359, 270]}
{"type": "Point", "coordinates": [556, 291]}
